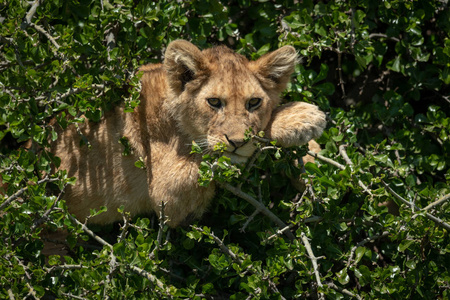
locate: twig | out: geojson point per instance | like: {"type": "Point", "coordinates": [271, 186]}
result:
{"type": "Point", "coordinates": [278, 233]}
{"type": "Point", "coordinates": [222, 246]}
{"type": "Point", "coordinates": [27, 20]}
{"type": "Point", "coordinates": [363, 242]}
{"type": "Point", "coordinates": [44, 217]}
{"type": "Point", "coordinates": [69, 295]}
{"type": "Point", "coordinates": [249, 166]}
{"type": "Point", "coordinates": [110, 39]}
{"type": "Point", "coordinates": [313, 259]}
{"type": "Point", "coordinates": [428, 215]}
{"type": "Point", "coordinates": [11, 294]}
{"type": "Point", "coordinates": [64, 268]}
{"type": "Point", "coordinates": [48, 35]}
{"type": "Point", "coordinates": [258, 205]}
{"type": "Point", "coordinates": [236, 259]}
{"type": "Point", "coordinates": [151, 278]}
{"type": "Point", "coordinates": [90, 232]}
{"type": "Point", "coordinates": [389, 189]}
{"type": "Point", "coordinates": [135, 269]}
{"type": "Point", "coordinates": [162, 223]}
{"type": "Point", "coordinates": [124, 228]}
{"type": "Point", "coordinates": [339, 68]}
{"type": "Point", "coordinates": [24, 189]}
{"type": "Point", "coordinates": [350, 163]}
{"type": "Point", "coordinates": [437, 202]}
{"type": "Point", "coordinates": [28, 278]}
{"type": "Point", "coordinates": [341, 290]}
{"type": "Point", "coordinates": [353, 40]}
{"type": "Point", "coordinates": [249, 219]}
{"type": "Point", "coordinates": [255, 213]}
{"type": "Point", "coordinates": [326, 159]}
{"type": "Point", "coordinates": [60, 97]}
{"type": "Point", "coordinates": [384, 36]}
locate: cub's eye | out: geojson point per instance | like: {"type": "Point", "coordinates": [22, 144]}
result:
{"type": "Point", "coordinates": [254, 103]}
{"type": "Point", "coordinates": [214, 102]}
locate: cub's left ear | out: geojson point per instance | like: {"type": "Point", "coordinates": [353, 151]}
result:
{"type": "Point", "coordinates": [183, 62]}
{"type": "Point", "coordinates": [274, 69]}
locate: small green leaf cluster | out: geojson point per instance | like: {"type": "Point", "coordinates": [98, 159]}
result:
{"type": "Point", "coordinates": [369, 219]}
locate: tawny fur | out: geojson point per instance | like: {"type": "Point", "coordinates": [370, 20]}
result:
{"type": "Point", "coordinates": [174, 111]}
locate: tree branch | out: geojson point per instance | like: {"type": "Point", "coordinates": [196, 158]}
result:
{"type": "Point", "coordinates": [259, 206]}
{"type": "Point", "coordinates": [47, 35]}
{"type": "Point", "coordinates": [162, 223]}
{"type": "Point", "coordinates": [236, 259]}
{"type": "Point", "coordinates": [30, 14]}
{"type": "Point", "coordinates": [22, 190]}
{"type": "Point", "coordinates": [437, 202]}
{"type": "Point", "coordinates": [59, 97]}
{"type": "Point", "coordinates": [341, 290]}
{"type": "Point", "coordinates": [350, 163]}
{"type": "Point", "coordinates": [135, 269]}
{"type": "Point", "coordinates": [326, 159]}
{"type": "Point", "coordinates": [45, 216]}
{"type": "Point", "coordinates": [412, 205]}
{"type": "Point", "coordinates": [313, 259]}
{"type": "Point", "coordinates": [363, 242]}
{"type": "Point", "coordinates": [389, 189]}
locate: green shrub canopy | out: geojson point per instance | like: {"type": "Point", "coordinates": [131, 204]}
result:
{"type": "Point", "coordinates": [373, 221]}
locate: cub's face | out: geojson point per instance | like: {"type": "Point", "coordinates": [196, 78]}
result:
{"type": "Point", "coordinates": [217, 95]}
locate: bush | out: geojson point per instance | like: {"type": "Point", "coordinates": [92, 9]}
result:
{"type": "Point", "coordinates": [373, 221]}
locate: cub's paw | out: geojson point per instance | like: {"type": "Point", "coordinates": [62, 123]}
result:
{"type": "Point", "coordinates": [295, 124]}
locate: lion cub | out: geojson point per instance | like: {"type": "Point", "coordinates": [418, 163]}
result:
{"type": "Point", "coordinates": [207, 96]}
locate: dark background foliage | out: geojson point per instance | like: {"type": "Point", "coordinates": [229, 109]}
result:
{"type": "Point", "coordinates": [373, 221]}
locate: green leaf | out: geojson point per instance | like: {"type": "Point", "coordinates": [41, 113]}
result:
{"type": "Point", "coordinates": [343, 276]}
{"type": "Point", "coordinates": [405, 244]}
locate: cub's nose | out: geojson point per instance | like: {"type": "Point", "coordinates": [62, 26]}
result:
{"type": "Point", "coordinates": [236, 143]}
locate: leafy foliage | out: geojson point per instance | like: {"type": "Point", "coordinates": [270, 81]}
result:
{"type": "Point", "coordinates": [373, 221]}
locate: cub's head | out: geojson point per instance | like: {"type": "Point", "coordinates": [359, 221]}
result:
{"type": "Point", "coordinates": [217, 94]}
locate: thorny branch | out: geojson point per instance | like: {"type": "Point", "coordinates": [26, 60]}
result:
{"type": "Point", "coordinates": [437, 202]}
{"type": "Point", "coordinates": [388, 188]}
{"type": "Point", "coordinates": [413, 206]}
{"type": "Point", "coordinates": [23, 190]}
{"type": "Point", "coordinates": [59, 97]}
{"type": "Point", "coordinates": [341, 290]}
{"type": "Point", "coordinates": [362, 243]}
{"type": "Point", "coordinates": [259, 206]}
{"type": "Point", "coordinates": [135, 269]}
{"type": "Point", "coordinates": [350, 163]}
{"type": "Point", "coordinates": [46, 215]}
{"type": "Point", "coordinates": [236, 258]}
{"type": "Point", "coordinates": [313, 259]}
{"type": "Point", "coordinates": [162, 223]}
{"type": "Point", "coordinates": [27, 20]}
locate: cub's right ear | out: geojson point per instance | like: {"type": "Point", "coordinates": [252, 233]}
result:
{"type": "Point", "coordinates": [183, 61]}
{"type": "Point", "coordinates": [275, 68]}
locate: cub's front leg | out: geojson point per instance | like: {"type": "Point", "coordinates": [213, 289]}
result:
{"type": "Point", "coordinates": [295, 124]}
